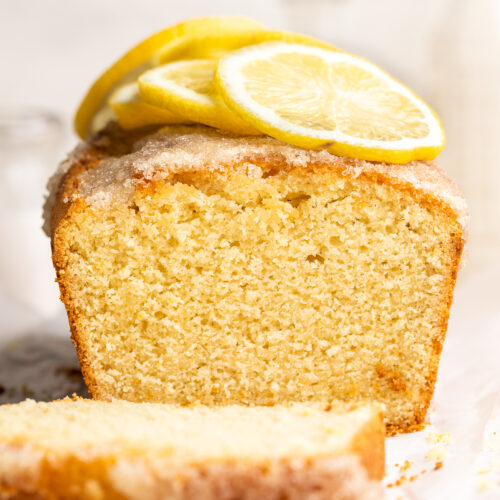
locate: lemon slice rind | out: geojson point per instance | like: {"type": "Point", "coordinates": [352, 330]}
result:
{"type": "Point", "coordinates": [231, 83]}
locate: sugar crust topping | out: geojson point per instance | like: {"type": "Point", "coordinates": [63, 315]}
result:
{"type": "Point", "coordinates": [127, 159]}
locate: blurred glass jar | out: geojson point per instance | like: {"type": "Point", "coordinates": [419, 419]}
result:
{"type": "Point", "coordinates": [30, 147]}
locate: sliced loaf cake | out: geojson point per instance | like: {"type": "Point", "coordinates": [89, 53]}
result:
{"type": "Point", "coordinates": [93, 450]}
{"type": "Point", "coordinates": [200, 267]}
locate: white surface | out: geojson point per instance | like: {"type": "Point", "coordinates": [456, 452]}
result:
{"type": "Point", "coordinates": [466, 404]}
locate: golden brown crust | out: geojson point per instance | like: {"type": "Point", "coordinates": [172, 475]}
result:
{"type": "Point", "coordinates": [340, 478]}
{"type": "Point", "coordinates": [70, 477]}
{"type": "Point", "coordinates": [352, 473]}
{"type": "Point", "coordinates": [424, 182]}
{"type": "Point", "coordinates": [370, 446]}
{"type": "Point", "coordinates": [59, 259]}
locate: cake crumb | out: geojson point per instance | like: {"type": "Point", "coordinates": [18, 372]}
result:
{"type": "Point", "coordinates": [405, 466]}
{"type": "Point", "coordinates": [439, 437]}
{"type": "Point", "coordinates": [401, 480]}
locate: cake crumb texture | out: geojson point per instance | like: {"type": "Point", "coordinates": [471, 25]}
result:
{"type": "Point", "coordinates": [259, 274]}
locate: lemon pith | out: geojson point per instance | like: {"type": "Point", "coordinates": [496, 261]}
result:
{"type": "Point", "coordinates": [141, 56]}
{"type": "Point", "coordinates": [315, 98]}
{"type": "Point", "coordinates": [186, 89]}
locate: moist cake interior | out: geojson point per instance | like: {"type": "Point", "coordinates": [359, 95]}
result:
{"type": "Point", "coordinates": [305, 285]}
{"type": "Point", "coordinates": [184, 435]}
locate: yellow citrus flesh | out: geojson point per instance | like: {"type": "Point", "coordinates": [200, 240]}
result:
{"type": "Point", "coordinates": [186, 89]}
{"type": "Point", "coordinates": [317, 98]}
{"type": "Point", "coordinates": [141, 57]}
{"type": "Point", "coordinates": [131, 112]}
{"type": "Point", "coordinates": [216, 45]}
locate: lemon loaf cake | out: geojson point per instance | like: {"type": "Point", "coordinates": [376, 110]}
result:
{"type": "Point", "coordinates": [200, 267]}
{"type": "Point", "coordinates": [83, 449]}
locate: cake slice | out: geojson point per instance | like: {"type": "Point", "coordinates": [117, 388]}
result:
{"type": "Point", "coordinates": [200, 267]}
{"type": "Point", "coordinates": [83, 449]}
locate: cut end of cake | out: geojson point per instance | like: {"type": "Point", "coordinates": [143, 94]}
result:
{"type": "Point", "coordinates": [142, 451]}
{"type": "Point", "coordinates": [258, 276]}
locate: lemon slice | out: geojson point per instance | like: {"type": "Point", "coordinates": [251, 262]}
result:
{"type": "Point", "coordinates": [131, 112]}
{"type": "Point", "coordinates": [216, 45]}
{"type": "Point", "coordinates": [186, 88]}
{"type": "Point", "coordinates": [316, 98]}
{"type": "Point", "coordinates": [141, 57]}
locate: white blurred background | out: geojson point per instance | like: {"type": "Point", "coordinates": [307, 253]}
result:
{"type": "Point", "coordinates": [447, 50]}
